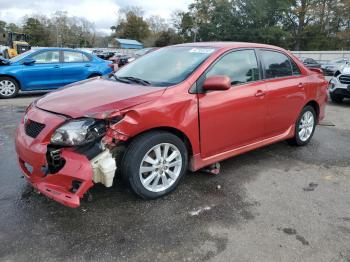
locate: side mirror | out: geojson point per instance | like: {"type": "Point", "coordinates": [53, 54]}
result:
{"type": "Point", "coordinates": [217, 83]}
{"type": "Point", "coordinates": [28, 61]}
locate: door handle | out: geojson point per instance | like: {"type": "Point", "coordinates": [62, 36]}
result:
{"type": "Point", "coordinates": [56, 66]}
{"type": "Point", "coordinates": [260, 93]}
{"type": "Point", "coordinates": [300, 85]}
{"type": "Point", "coordinates": [87, 65]}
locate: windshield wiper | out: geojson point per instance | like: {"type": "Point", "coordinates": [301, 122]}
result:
{"type": "Point", "coordinates": [119, 79]}
{"type": "Point", "coordinates": [136, 80]}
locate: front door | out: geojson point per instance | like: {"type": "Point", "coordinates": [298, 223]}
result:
{"type": "Point", "coordinates": [236, 117]}
{"type": "Point", "coordinates": [45, 72]}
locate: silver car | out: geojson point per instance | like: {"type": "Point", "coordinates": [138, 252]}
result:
{"type": "Point", "coordinates": [339, 85]}
{"type": "Point", "coordinates": [331, 67]}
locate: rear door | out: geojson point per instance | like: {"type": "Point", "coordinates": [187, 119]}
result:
{"type": "Point", "coordinates": [76, 66]}
{"type": "Point", "coordinates": [236, 117]}
{"type": "Point", "coordinates": [285, 91]}
{"type": "Point", "coordinates": [45, 72]}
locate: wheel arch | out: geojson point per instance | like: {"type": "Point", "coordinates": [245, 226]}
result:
{"type": "Point", "coordinates": [94, 74]}
{"type": "Point", "coordinates": [315, 106]}
{"type": "Point", "coordinates": [14, 78]}
{"type": "Point", "coordinates": [180, 134]}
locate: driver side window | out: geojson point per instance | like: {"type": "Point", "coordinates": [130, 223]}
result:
{"type": "Point", "coordinates": [47, 57]}
{"type": "Point", "coordinates": [240, 66]}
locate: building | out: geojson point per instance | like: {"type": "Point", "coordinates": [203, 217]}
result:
{"type": "Point", "coordinates": [125, 44]}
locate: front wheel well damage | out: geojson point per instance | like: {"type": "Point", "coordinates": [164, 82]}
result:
{"type": "Point", "coordinates": [172, 130]}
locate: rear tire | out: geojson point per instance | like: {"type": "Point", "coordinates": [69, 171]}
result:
{"type": "Point", "coordinates": [154, 164]}
{"type": "Point", "coordinates": [304, 127]}
{"type": "Point", "coordinates": [338, 99]}
{"type": "Point", "coordinates": [9, 87]}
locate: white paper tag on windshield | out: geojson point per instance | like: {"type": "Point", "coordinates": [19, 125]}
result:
{"type": "Point", "coordinates": [202, 50]}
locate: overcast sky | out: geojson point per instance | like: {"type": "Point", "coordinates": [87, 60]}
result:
{"type": "Point", "coordinates": [101, 12]}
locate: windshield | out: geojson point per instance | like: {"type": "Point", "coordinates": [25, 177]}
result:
{"type": "Point", "coordinates": [166, 66]}
{"type": "Point", "coordinates": [19, 57]}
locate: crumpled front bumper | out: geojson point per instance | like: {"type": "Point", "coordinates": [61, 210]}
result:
{"type": "Point", "coordinates": [31, 154]}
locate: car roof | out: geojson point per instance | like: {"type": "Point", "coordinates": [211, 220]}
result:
{"type": "Point", "coordinates": [57, 48]}
{"type": "Point", "coordinates": [224, 45]}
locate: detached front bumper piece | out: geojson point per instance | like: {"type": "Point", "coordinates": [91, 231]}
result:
{"type": "Point", "coordinates": [66, 186]}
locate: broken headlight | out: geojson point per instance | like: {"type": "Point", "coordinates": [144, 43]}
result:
{"type": "Point", "coordinates": [78, 132]}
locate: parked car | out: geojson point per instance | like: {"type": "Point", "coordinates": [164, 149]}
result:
{"type": "Point", "coordinates": [105, 55]}
{"type": "Point", "coordinates": [339, 85]}
{"type": "Point", "coordinates": [334, 65]}
{"type": "Point", "coordinates": [309, 62]}
{"type": "Point", "coordinates": [181, 107]}
{"type": "Point", "coordinates": [48, 68]}
{"type": "Point", "coordinates": [120, 59]}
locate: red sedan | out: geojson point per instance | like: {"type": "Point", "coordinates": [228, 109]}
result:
{"type": "Point", "coordinates": [181, 107]}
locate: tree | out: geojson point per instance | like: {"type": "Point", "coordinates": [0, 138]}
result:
{"type": "Point", "coordinates": [168, 37]}
{"type": "Point", "coordinates": [37, 31]}
{"type": "Point", "coordinates": [157, 24]}
{"type": "Point", "coordinates": [11, 27]}
{"type": "Point", "coordinates": [131, 25]}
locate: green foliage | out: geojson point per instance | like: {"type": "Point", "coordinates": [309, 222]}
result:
{"type": "Point", "coordinates": [133, 26]}
{"type": "Point", "coordinates": [168, 37]}
{"type": "Point", "coordinates": [293, 24]}
{"type": "Point", "coordinates": [37, 31]}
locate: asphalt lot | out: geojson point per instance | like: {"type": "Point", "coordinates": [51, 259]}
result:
{"type": "Point", "coordinates": [278, 203]}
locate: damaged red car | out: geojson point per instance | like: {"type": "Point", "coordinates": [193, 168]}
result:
{"type": "Point", "coordinates": [179, 108]}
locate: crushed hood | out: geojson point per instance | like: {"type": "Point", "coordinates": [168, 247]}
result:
{"type": "Point", "coordinates": [97, 97]}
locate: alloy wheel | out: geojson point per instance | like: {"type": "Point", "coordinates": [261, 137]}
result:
{"type": "Point", "coordinates": [306, 126]}
{"type": "Point", "coordinates": [160, 167]}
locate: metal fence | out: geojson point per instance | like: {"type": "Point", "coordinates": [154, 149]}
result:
{"type": "Point", "coordinates": [322, 56]}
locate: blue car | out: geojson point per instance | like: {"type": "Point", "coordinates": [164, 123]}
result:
{"type": "Point", "coordinates": [48, 68]}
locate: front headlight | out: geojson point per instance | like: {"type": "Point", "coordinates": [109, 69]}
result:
{"type": "Point", "coordinates": [332, 83]}
{"type": "Point", "coordinates": [78, 132]}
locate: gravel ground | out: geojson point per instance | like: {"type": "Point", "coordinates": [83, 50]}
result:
{"type": "Point", "coordinates": [278, 203]}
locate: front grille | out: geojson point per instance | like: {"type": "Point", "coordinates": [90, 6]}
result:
{"type": "Point", "coordinates": [344, 79]}
{"type": "Point", "coordinates": [33, 128]}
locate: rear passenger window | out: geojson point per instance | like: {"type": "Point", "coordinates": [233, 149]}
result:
{"type": "Point", "coordinates": [74, 57]}
{"type": "Point", "coordinates": [276, 64]}
{"type": "Point", "coordinates": [240, 66]}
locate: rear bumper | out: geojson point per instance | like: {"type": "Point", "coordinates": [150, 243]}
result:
{"type": "Point", "coordinates": [31, 153]}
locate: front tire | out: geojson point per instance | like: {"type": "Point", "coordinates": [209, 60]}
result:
{"type": "Point", "coordinates": [338, 99]}
{"type": "Point", "coordinates": [304, 127]}
{"type": "Point", "coordinates": [8, 87]}
{"type": "Point", "coordinates": [154, 164]}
